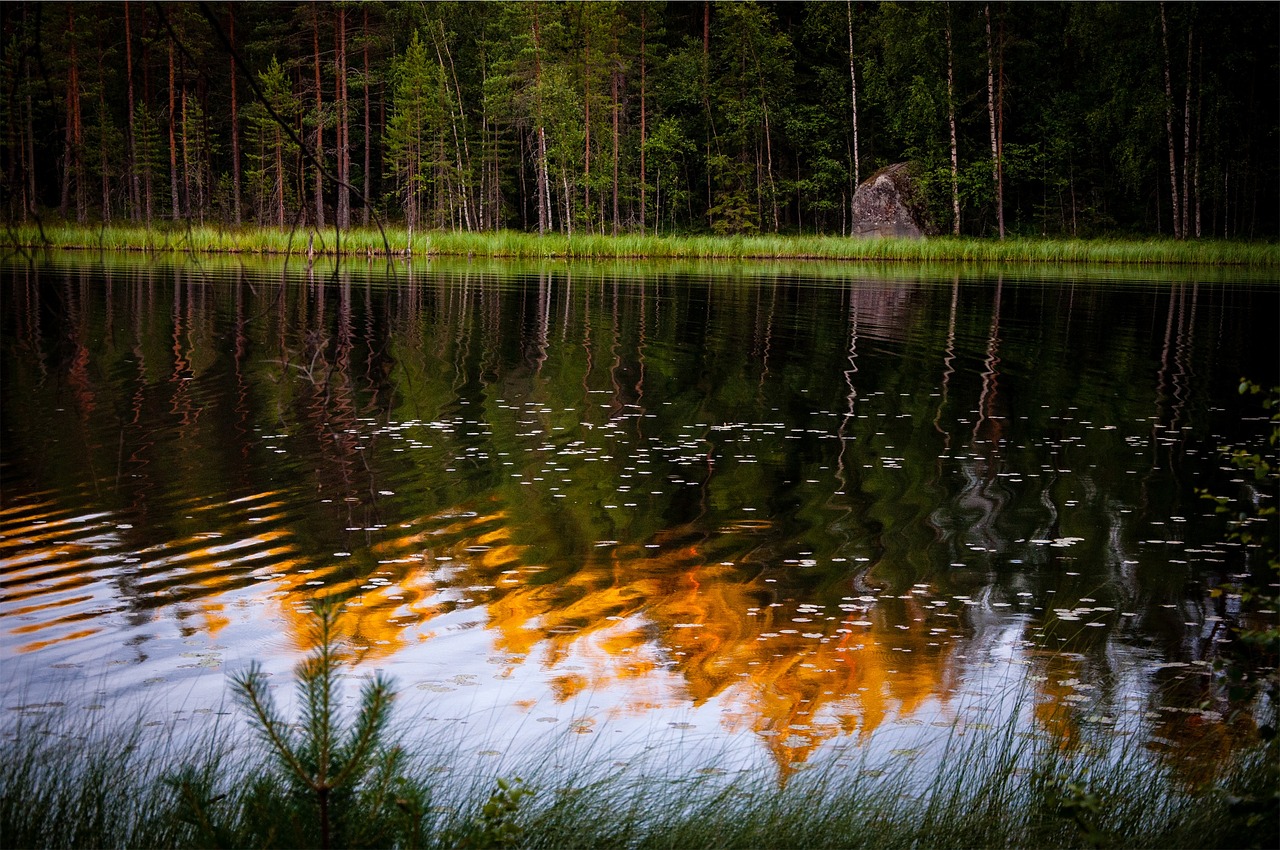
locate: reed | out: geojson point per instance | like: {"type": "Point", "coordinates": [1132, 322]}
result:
{"type": "Point", "coordinates": [209, 239]}
{"type": "Point", "coordinates": [62, 786]}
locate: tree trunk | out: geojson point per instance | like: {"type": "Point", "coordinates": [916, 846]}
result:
{"type": "Point", "coordinates": [279, 176]}
{"type": "Point", "coordinates": [643, 31]}
{"type": "Point", "coordinates": [1000, 127]}
{"type": "Point", "coordinates": [344, 154]}
{"type": "Point", "coordinates": [462, 151]}
{"type": "Point", "coordinates": [71, 159]}
{"type": "Point", "coordinates": [31, 138]}
{"type": "Point", "coordinates": [135, 188]}
{"type": "Point", "coordinates": [319, 151]}
{"type": "Point", "coordinates": [768, 146]}
{"type": "Point", "coordinates": [1186, 145]}
{"type": "Point", "coordinates": [991, 114]}
{"type": "Point", "coordinates": [173, 144]}
{"type": "Point", "coordinates": [951, 119]}
{"type": "Point", "coordinates": [586, 123]}
{"type": "Point", "coordinates": [1168, 124]}
{"type": "Point", "coordinates": [544, 188]}
{"type": "Point", "coordinates": [235, 121]}
{"type": "Point", "coordinates": [853, 91]}
{"type": "Point", "coordinates": [102, 147]}
{"type": "Point", "coordinates": [615, 76]}
{"type": "Point", "coordinates": [1195, 184]}
{"type": "Point", "coordinates": [186, 163]}
{"type": "Point", "coordinates": [368, 138]}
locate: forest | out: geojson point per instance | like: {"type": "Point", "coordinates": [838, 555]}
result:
{"type": "Point", "coordinates": [1028, 119]}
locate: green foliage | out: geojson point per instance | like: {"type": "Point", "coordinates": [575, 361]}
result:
{"type": "Point", "coordinates": [1253, 522]}
{"type": "Point", "coordinates": [497, 826]}
{"type": "Point", "coordinates": [270, 153]}
{"type": "Point", "coordinates": [1084, 809]}
{"type": "Point", "coordinates": [341, 773]}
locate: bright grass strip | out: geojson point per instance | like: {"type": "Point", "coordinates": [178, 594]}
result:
{"type": "Point", "coordinates": [198, 239]}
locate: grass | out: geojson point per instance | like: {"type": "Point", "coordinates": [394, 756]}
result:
{"type": "Point", "coordinates": [207, 239]}
{"type": "Point", "coordinates": [333, 780]}
{"type": "Point", "coordinates": [63, 788]}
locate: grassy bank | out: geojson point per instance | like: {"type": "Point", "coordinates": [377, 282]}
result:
{"type": "Point", "coordinates": [515, 245]}
{"type": "Point", "coordinates": [338, 778]}
{"type": "Point", "coordinates": [61, 787]}
{"type": "Point", "coordinates": [386, 270]}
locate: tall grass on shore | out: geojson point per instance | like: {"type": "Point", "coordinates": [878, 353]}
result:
{"type": "Point", "coordinates": [383, 269]}
{"type": "Point", "coordinates": [333, 780]}
{"type": "Point", "coordinates": [517, 245]}
{"type": "Point", "coordinates": [63, 788]}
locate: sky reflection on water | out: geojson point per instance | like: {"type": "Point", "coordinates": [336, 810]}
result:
{"type": "Point", "coordinates": [688, 504]}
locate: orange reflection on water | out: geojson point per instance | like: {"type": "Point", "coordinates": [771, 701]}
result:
{"type": "Point", "coordinates": [793, 674]}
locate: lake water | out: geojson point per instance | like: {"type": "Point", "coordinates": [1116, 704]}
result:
{"type": "Point", "coordinates": [776, 512]}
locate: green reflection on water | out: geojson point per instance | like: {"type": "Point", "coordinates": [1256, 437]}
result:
{"type": "Point", "coordinates": [811, 491]}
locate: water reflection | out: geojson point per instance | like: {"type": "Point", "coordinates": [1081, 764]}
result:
{"type": "Point", "coordinates": [820, 506]}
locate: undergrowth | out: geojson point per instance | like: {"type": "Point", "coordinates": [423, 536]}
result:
{"type": "Point", "coordinates": [333, 777]}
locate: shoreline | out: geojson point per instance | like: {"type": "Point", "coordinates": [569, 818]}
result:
{"type": "Point", "coordinates": [370, 242]}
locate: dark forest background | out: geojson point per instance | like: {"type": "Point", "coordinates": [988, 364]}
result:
{"type": "Point", "coordinates": [1075, 119]}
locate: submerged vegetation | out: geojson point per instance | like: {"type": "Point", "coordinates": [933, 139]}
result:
{"type": "Point", "coordinates": [510, 244]}
{"type": "Point", "coordinates": [329, 780]}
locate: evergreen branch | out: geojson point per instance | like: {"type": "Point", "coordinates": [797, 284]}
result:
{"type": "Point", "coordinates": [376, 699]}
{"type": "Point", "coordinates": [249, 689]}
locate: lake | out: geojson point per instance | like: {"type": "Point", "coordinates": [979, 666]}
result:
{"type": "Point", "coordinates": [775, 512]}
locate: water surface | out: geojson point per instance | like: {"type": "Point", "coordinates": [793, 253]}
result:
{"type": "Point", "coordinates": [776, 511]}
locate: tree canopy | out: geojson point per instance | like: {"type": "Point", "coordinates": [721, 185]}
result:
{"type": "Point", "coordinates": [1074, 119]}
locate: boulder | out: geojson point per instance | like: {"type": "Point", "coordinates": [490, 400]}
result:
{"type": "Point", "coordinates": [889, 203]}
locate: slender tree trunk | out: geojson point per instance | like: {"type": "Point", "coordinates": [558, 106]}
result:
{"type": "Point", "coordinates": [1168, 124]}
{"type": "Point", "coordinates": [344, 153]}
{"type": "Point", "coordinates": [102, 148]}
{"type": "Point", "coordinates": [951, 119]}
{"type": "Point", "coordinates": [1186, 144]}
{"type": "Point", "coordinates": [991, 114]}
{"type": "Point", "coordinates": [643, 32]}
{"type": "Point", "coordinates": [173, 143]}
{"type": "Point", "coordinates": [1226, 198]}
{"type": "Point", "coordinates": [706, 93]}
{"type": "Point", "coordinates": [544, 188]}
{"type": "Point", "coordinates": [470, 213]}
{"type": "Point", "coordinates": [615, 76]}
{"type": "Point", "coordinates": [368, 138]}
{"type": "Point", "coordinates": [544, 214]}
{"type": "Point", "coordinates": [30, 207]}
{"type": "Point", "coordinates": [586, 123]}
{"type": "Point", "coordinates": [454, 119]}
{"type": "Point", "coordinates": [135, 189]}
{"type": "Point", "coordinates": [235, 121]}
{"type": "Point", "coordinates": [1195, 185]}
{"type": "Point", "coordinates": [1000, 128]}
{"type": "Point", "coordinates": [319, 152]}
{"type": "Point", "coordinates": [768, 146]}
{"type": "Point", "coordinates": [280, 177]}
{"type": "Point", "coordinates": [71, 140]}
{"type": "Point", "coordinates": [186, 163]}
{"type": "Point", "coordinates": [853, 92]}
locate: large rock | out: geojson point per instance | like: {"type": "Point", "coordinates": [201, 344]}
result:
{"type": "Point", "coordinates": [889, 203]}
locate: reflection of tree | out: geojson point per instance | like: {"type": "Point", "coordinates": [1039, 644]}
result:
{"type": "Point", "coordinates": [781, 445]}
{"type": "Point", "coordinates": [683, 602]}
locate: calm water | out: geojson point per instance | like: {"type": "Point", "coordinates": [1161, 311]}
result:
{"type": "Point", "coordinates": [774, 512]}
